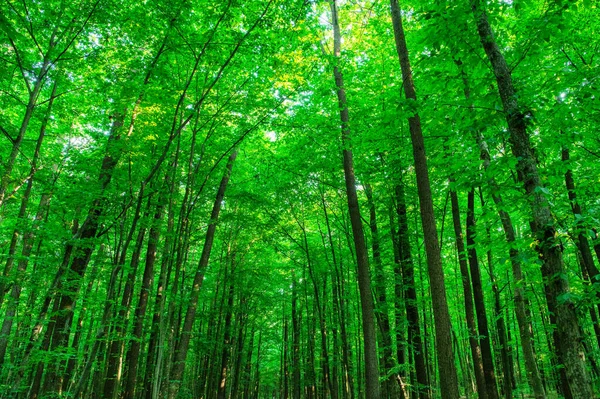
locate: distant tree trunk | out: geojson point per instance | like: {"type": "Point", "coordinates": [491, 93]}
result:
{"type": "Point", "coordinates": [226, 347]}
{"type": "Point", "coordinates": [309, 366]}
{"type": "Point", "coordinates": [115, 345]}
{"type": "Point", "coordinates": [152, 361]}
{"type": "Point", "coordinates": [28, 239]}
{"type": "Point", "coordinates": [132, 358]}
{"type": "Point", "coordinates": [184, 341]}
{"type": "Point", "coordinates": [468, 298]}
{"type": "Point", "coordinates": [296, 388]}
{"type": "Point", "coordinates": [284, 372]}
{"type": "Point", "coordinates": [482, 323]}
{"type": "Point", "coordinates": [525, 333]}
{"type": "Point", "coordinates": [407, 273]}
{"type": "Point", "coordinates": [364, 278]}
{"type": "Point", "coordinates": [328, 384]}
{"type": "Point", "coordinates": [443, 330]}
{"type": "Point", "coordinates": [581, 239]}
{"type": "Point", "coordinates": [381, 309]}
{"type": "Point", "coordinates": [241, 319]}
{"type": "Point", "coordinates": [340, 308]}
{"type": "Point", "coordinates": [247, 379]}
{"type": "Point", "coordinates": [568, 338]}
{"type": "Point", "coordinates": [17, 141]}
{"type": "Point", "coordinates": [505, 350]}
{"type": "Point", "coordinates": [62, 319]}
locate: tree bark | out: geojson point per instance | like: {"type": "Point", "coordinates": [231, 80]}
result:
{"type": "Point", "coordinates": [549, 248]}
{"type": "Point", "coordinates": [408, 285]}
{"type": "Point", "coordinates": [132, 358]}
{"type": "Point", "coordinates": [28, 238]}
{"type": "Point", "coordinates": [362, 258]}
{"type": "Point", "coordinates": [65, 298]}
{"type": "Point", "coordinates": [184, 341]}
{"type": "Point", "coordinates": [468, 298]}
{"type": "Point", "coordinates": [443, 335]}
{"type": "Point", "coordinates": [482, 323]}
{"type": "Point", "coordinates": [525, 333]}
{"type": "Point", "coordinates": [381, 313]}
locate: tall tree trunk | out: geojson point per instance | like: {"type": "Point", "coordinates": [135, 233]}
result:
{"type": "Point", "coordinates": [328, 384]}
{"type": "Point", "coordinates": [408, 285]}
{"type": "Point", "coordinates": [468, 298]}
{"type": "Point", "coordinates": [62, 319]}
{"type": "Point", "coordinates": [226, 347]}
{"type": "Point", "coordinates": [525, 333]}
{"type": "Point", "coordinates": [296, 388]}
{"type": "Point", "coordinates": [583, 244]}
{"type": "Point", "coordinates": [482, 323]}
{"type": "Point", "coordinates": [115, 345]}
{"type": "Point", "coordinates": [17, 141]}
{"type": "Point", "coordinates": [381, 308]}
{"type": "Point", "coordinates": [570, 353]}
{"type": "Point", "coordinates": [184, 341]}
{"type": "Point", "coordinates": [340, 309]}
{"type": "Point", "coordinates": [132, 358]}
{"type": "Point", "coordinates": [505, 350]}
{"type": "Point", "coordinates": [28, 238]}
{"type": "Point", "coordinates": [443, 330]}
{"type": "Point", "coordinates": [362, 259]}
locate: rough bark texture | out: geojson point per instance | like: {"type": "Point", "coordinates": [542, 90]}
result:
{"type": "Point", "coordinates": [443, 335]}
{"type": "Point", "coordinates": [362, 259]}
{"type": "Point", "coordinates": [568, 338]}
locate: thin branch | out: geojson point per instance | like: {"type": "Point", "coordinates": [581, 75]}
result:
{"type": "Point", "coordinates": [89, 16]}
{"type": "Point", "coordinates": [30, 30]}
{"type": "Point", "coordinates": [597, 155]}
{"type": "Point", "coordinates": [20, 63]}
{"type": "Point", "coordinates": [8, 136]}
{"type": "Point", "coordinates": [472, 106]}
{"type": "Point", "coordinates": [568, 58]}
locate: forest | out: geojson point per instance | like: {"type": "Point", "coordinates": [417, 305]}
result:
{"type": "Point", "coordinates": [345, 199]}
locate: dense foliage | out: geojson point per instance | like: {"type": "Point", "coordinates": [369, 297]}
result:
{"type": "Point", "coordinates": [176, 217]}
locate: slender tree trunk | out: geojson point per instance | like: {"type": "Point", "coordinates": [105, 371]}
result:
{"type": "Point", "coordinates": [328, 384]}
{"type": "Point", "coordinates": [381, 309]}
{"type": "Point", "coordinates": [570, 353]}
{"type": "Point", "coordinates": [525, 333]}
{"type": "Point", "coordinates": [29, 108]}
{"type": "Point", "coordinates": [505, 350]}
{"type": "Point", "coordinates": [132, 358]}
{"type": "Point", "coordinates": [184, 341]}
{"type": "Point", "coordinates": [468, 299]}
{"type": "Point", "coordinates": [226, 347]}
{"type": "Point", "coordinates": [62, 319]}
{"type": "Point", "coordinates": [340, 307]}
{"type": "Point", "coordinates": [115, 345]}
{"type": "Point", "coordinates": [296, 388]}
{"type": "Point", "coordinates": [364, 278]}
{"type": "Point", "coordinates": [152, 361]}
{"type": "Point", "coordinates": [482, 323]}
{"type": "Point", "coordinates": [28, 239]}
{"type": "Point", "coordinates": [443, 330]}
{"type": "Point", "coordinates": [409, 287]}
